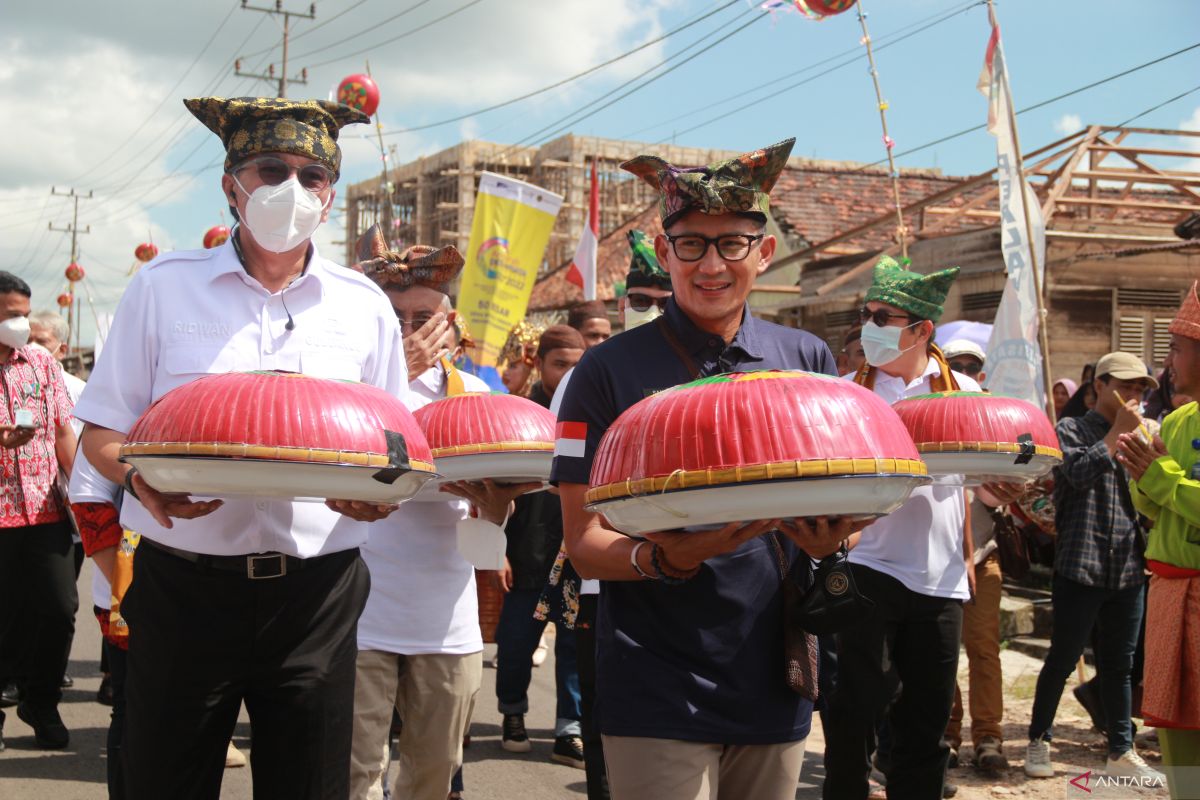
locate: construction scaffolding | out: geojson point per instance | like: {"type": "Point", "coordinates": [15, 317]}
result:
{"type": "Point", "coordinates": [432, 199]}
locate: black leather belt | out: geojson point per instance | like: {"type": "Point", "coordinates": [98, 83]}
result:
{"type": "Point", "coordinates": [256, 566]}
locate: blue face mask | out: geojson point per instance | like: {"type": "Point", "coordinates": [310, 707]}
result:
{"type": "Point", "coordinates": [881, 346]}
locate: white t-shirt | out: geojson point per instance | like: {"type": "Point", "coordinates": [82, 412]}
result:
{"type": "Point", "coordinates": [920, 544]}
{"type": "Point", "coordinates": [422, 596]}
{"type": "Point", "coordinates": [198, 312]}
{"type": "Point", "coordinates": [89, 486]}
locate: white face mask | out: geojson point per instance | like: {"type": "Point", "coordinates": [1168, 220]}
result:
{"type": "Point", "coordinates": [282, 217]}
{"type": "Point", "coordinates": [633, 318]}
{"type": "Point", "coordinates": [14, 332]}
{"type": "Point", "coordinates": [881, 346]}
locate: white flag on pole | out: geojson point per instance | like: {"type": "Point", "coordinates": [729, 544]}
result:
{"type": "Point", "coordinates": [582, 272]}
{"type": "Point", "coordinates": [1014, 359]}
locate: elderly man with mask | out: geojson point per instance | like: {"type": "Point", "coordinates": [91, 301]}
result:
{"type": "Point", "coordinates": [677, 721]}
{"type": "Point", "coordinates": [247, 599]}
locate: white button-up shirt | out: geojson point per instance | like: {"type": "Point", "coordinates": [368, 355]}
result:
{"type": "Point", "coordinates": [423, 597]}
{"type": "Point", "coordinates": [196, 313]}
{"type": "Point", "coordinates": [920, 544]}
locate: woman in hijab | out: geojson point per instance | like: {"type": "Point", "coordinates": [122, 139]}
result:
{"type": "Point", "coordinates": [1061, 392]}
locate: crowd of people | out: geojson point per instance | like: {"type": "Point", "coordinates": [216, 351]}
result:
{"type": "Point", "coordinates": [684, 665]}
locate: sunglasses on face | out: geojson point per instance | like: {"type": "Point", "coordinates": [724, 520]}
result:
{"type": "Point", "coordinates": [273, 171]}
{"type": "Point", "coordinates": [880, 317]}
{"type": "Point", "coordinates": [414, 324]}
{"type": "Point", "coordinates": [643, 302]}
{"type": "Point", "coordinates": [731, 246]}
{"type": "Point", "coordinates": [969, 368]}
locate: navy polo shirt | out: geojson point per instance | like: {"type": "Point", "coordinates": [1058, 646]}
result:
{"type": "Point", "coordinates": [702, 661]}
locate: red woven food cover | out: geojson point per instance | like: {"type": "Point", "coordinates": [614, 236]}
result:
{"type": "Point", "coordinates": [485, 422]}
{"type": "Point", "coordinates": [281, 416]}
{"type": "Point", "coordinates": [745, 427]}
{"type": "Point", "coordinates": [977, 422]}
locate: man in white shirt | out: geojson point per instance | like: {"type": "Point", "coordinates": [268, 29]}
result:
{"type": "Point", "coordinates": [420, 649]}
{"type": "Point", "coordinates": [244, 599]}
{"type": "Point", "coordinates": [911, 563]}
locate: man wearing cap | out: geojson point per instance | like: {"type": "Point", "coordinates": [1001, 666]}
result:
{"type": "Point", "coordinates": [911, 563]}
{"type": "Point", "coordinates": [981, 618]}
{"type": "Point", "coordinates": [1099, 569]}
{"type": "Point", "coordinates": [244, 599]}
{"type": "Point", "coordinates": [1166, 488]}
{"type": "Point", "coordinates": [419, 646]}
{"type": "Point", "coordinates": [680, 720]}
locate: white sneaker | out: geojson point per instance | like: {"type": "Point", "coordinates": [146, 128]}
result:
{"type": "Point", "coordinates": [1131, 765]}
{"type": "Point", "coordinates": [1037, 759]}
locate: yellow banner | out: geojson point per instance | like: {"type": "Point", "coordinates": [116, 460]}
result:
{"type": "Point", "coordinates": [509, 234]}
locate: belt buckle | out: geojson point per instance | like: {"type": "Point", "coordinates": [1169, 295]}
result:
{"type": "Point", "coordinates": [252, 563]}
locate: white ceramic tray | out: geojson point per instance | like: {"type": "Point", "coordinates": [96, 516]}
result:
{"type": "Point", "coordinates": [225, 477]}
{"type": "Point", "coordinates": [852, 495]}
{"type": "Point", "coordinates": [976, 468]}
{"type": "Point", "coordinates": [511, 467]}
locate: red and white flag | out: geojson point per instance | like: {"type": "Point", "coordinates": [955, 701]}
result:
{"type": "Point", "coordinates": [570, 439]}
{"type": "Point", "coordinates": [582, 272]}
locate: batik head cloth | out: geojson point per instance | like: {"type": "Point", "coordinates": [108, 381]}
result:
{"type": "Point", "coordinates": [740, 185]}
{"type": "Point", "coordinates": [920, 295]}
{"type": "Point", "coordinates": [249, 126]}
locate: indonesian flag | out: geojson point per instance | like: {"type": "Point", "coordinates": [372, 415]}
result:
{"type": "Point", "coordinates": [570, 439]}
{"type": "Point", "coordinates": [993, 79]}
{"type": "Point", "coordinates": [583, 267]}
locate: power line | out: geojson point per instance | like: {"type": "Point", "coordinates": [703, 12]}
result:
{"type": "Point", "coordinates": [566, 80]}
{"type": "Point", "coordinates": [808, 68]}
{"type": "Point", "coordinates": [418, 29]}
{"type": "Point", "coordinates": [304, 33]}
{"type": "Point", "coordinates": [1152, 109]}
{"type": "Point", "coordinates": [377, 25]}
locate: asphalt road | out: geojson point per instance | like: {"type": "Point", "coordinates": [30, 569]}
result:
{"type": "Point", "coordinates": [490, 773]}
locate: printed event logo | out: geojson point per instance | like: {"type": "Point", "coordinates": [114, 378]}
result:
{"type": "Point", "coordinates": [1082, 781]}
{"type": "Point", "coordinates": [1115, 786]}
{"type": "Point", "coordinates": [492, 256]}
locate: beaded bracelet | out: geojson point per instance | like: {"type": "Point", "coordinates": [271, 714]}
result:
{"type": "Point", "coordinates": [633, 554]}
{"type": "Point", "coordinates": [667, 574]}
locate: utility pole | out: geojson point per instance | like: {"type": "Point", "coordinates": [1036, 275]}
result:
{"type": "Point", "coordinates": [73, 229]}
{"type": "Point", "coordinates": [283, 80]}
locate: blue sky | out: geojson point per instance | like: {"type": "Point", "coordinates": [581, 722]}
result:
{"type": "Point", "coordinates": [92, 93]}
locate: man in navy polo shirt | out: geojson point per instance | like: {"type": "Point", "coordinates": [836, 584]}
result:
{"type": "Point", "coordinates": [692, 699]}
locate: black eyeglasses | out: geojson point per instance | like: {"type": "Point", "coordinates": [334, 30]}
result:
{"type": "Point", "coordinates": [880, 316]}
{"type": "Point", "coordinates": [414, 324]}
{"type": "Point", "coordinates": [643, 302]}
{"type": "Point", "coordinates": [273, 171]}
{"type": "Point", "coordinates": [731, 246]}
{"type": "Point", "coordinates": [969, 368]}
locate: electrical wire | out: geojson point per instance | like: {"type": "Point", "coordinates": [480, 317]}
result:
{"type": "Point", "coordinates": [354, 36]}
{"type": "Point", "coordinates": [564, 81]}
{"type": "Point", "coordinates": [397, 38]}
{"type": "Point", "coordinates": [308, 30]}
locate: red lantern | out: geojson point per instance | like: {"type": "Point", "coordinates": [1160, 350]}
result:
{"type": "Point", "coordinates": [215, 236]}
{"type": "Point", "coordinates": [823, 8]}
{"type": "Point", "coordinates": [145, 252]}
{"type": "Point", "coordinates": [74, 272]}
{"type": "Point", "coordinates": [981, 436]}
{"type": "Point", "coordinates": [65, 300]}
{"type": "Point", "coordinates": [480, 435]}
{"type": "Point", "coordinates": [359, 91]}
{"type": "Point", "coordinates": [746, 446]}
{"type": "Point", "coordinates": [278, 434]}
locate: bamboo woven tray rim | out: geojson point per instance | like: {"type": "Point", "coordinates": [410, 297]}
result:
{"type": "Point", "coordinates": [985, 447]}
{"type": "Point", "coordinates": [302, 455]}
{"type": "Point", "coordinates": [487, 448]}
{"type": "Point", "coordinates": [774, 470]}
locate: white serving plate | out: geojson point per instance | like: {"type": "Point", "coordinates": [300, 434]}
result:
{"type": "Point", "coordinates": [848, 495]}
{"type": "Point", "coordinates": [976, 468]}
{"type": "Point", "coordinates": [514, 466]}
{"type": "Point", "coordinates": [227, 477]}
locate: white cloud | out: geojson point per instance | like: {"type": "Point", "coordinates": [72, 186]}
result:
{"type": "Point", "coordinates": [1068, 124]}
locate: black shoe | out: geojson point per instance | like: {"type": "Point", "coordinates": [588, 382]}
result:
{"type": "Point", "coordinates": [48, 730]}
{"type": "Point", "coordinates": [67, 682]}
{"type": "Point", "coordinates": [10, 695]}
{"type": "Point", "coordinates": [104, 695]}
{"type": "Point", "coordinates": [514, 739]}
{"type": "Point", "coordinates": [949, 789]}
{"type": "Point", "coordinates": [953, 762]}
{"type": "Point", "coordinates": [1, 731]}
{"type": "Point", "coordinates": [568, 750]}
{"type": "Point", "coordinates": [1088, 695]}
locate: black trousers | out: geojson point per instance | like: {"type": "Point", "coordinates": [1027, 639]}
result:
{"type": "Point", "coordinates": [585, 652]}
{"type": "Point", "coordinates": [911, 638]}
{"type": "Point", "coordinates": [203, 641]}
{"type": "Point", "coordinates": [38, 601]}
{"type": "Point", "coordinates": [117, 663]}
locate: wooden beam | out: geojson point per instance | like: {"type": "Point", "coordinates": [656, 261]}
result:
{"type": "Point", "coordinates": [1119, 237]}
{"type": "Point", "coordinates": [1146, 151]}
{"type": "Point", "coordinates": [1123, 175]}
{"type": "Point", "coordinates": [1151, 168]}
{"type": "Point", "coordinates": [776, 287]}
{"type": "Point", "coordinates": [1100, 201]}
{"type": "Point", "coordinates": [968, 212]}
